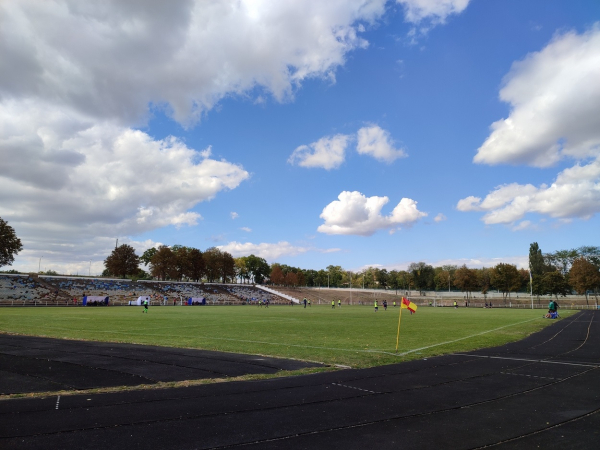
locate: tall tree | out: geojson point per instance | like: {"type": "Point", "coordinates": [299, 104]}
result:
{"type": "Point", "coordinates": [423, 275]}
{"type": "Point", "coordinates": [163, 263]}
{"type": "Point", "coordinates": [257, 268]}
{"type": "Point", "coordinates": [212, 258]}
{"type": "Point", "coordinates": [506, 278]}
{"type": "Point", "coordinates": [196, 264]}
{"type": "Point", "coordinates": [122, 261]}
{"type": "Point", "coordinates": [226, 267]}
{"type": "Point", "coordinates": [277, 276]}
{"type": "Point", "coordinates": [584, 277]}
{"type": "Point", "coordinates": [561, 259]}
{"type": "Point", "coordinates": [555, 284]}
{"type": "Point", "coordinates": [466, 280]}
{"type": "Point", "coordinates": [10, 244]}
{"type": "Point", "coordinates": [335, 275]}
{"type": "Point", "coordinates": [147, 256]}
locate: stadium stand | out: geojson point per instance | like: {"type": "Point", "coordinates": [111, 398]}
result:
{"type": "Point", "coordinates": [24, 290]}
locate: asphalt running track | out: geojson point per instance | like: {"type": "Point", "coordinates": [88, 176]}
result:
{"type": "Point", "coordinates": [542, 392]}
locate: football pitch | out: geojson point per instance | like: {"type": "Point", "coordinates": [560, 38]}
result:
{"type": "Point", "coordinates": [354, 336]}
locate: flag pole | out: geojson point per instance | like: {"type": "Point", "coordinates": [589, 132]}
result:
{"type": "Point", "coordinates": [398, 334]}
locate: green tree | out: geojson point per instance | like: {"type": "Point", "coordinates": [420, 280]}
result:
{"type": "Point", "coordinates": [466, 280]}
{"type": "Point", "coordinates": [212, 259]}
{"type": "Point", "coordinates": [506, 278]}
{"type": "Point", "coordinates": [197, 266]}
{"type": "Point", "coordinates": [423, 275]}
{"type": "Point", "coordinates": [10, 244]}
{"type": "Point", "coordinates": [122, 261]}
{"type": "Point", "coordinates": [484, 280]}
{"type": "Point", "coordinates": [258, 268]}
{"type": "Point", "coordinates": [163, 263]}
{"type": "Point", "coordinates": [555, 284]}
{"type": "Point", "coordinates": [335, 275]}
{"type": "Point", "coordinates": [561, 259]}
{"type": "Point", "coordinates": [147, 256]}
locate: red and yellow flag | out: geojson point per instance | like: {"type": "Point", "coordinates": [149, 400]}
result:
{"type": "Point", "coordinates": [407, 304]}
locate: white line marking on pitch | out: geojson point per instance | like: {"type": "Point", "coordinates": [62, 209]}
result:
{"type": "Point", "coordinates": [282, 344]}
{"type": "Point", "coordinates": [466, 337]}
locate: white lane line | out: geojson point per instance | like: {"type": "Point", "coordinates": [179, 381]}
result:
{"type": "Point", "coordinates": [466, 337]}
{"type": "Point", "coordinates": [352, 387]}
{"type": "Point", "coordinates": [527, 360]}
{"type": "Point", "coordinates": [57, 401]}
{"type": "Point", "coordinates": [525, 375]}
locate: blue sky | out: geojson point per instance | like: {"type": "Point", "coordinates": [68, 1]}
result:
{"type": "Point", "coordinates": [278, 128]}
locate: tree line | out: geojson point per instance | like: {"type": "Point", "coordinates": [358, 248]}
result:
{"type": "Point", "coordinates": [181, 263]}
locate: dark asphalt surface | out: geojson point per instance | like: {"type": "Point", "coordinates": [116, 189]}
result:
{"type": "Point", "coordinates": [542, 392]}
{"type": "Point", "coordinates": [34, 364]}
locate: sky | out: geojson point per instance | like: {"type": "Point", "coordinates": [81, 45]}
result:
{"type": "Point", "coordinates": [349, 132]}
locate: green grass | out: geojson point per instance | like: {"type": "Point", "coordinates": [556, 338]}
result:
{"type": "Point", "coordinates": [353, 335]}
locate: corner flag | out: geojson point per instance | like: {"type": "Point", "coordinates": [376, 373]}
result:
{"type": "Point", "coordinates": [404, 304]}
{"type": "Point", "coordinates": [407, 304]}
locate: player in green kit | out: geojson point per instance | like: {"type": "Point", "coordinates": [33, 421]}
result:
{"type": "Point", "coordinates": [332, 304]}
{"type": "Point", "coordinates": [145, 306]}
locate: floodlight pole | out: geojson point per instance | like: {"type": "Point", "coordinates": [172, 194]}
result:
{"type": "Point", "coordinates": [90, 269]}
{"type": "Point", "coordinates": [40, 264]}
{"type": "Point", "coordinates": [531, 287]}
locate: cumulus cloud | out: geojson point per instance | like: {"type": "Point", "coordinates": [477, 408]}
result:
{"type": "Point", "coordinates": [246, 229]}
{"type": "Point", "coordinates": [184, 55]}
{"type": "Point", "coordinates": [440, 217]}
{"type": "Point", "coordinates": [327, 153]}
{"type": "Point", "coordinates": [354, 213]}
{"type": "Point", "coordinates": [555, 100]}
{"type": "Point", "coordinates": [234, 215]}
{"type": "Point", "coordinates": [554, 96]}
{"type": "Point", "coordinates": [574, 193]}
{"type": "Point", "coordinates": [330, 152]}
{"type": "Point", "coordinates": [68, 180]}
{"type": "Point", "coordinates": [376, 142]}
{"type": "Point", "coordinates": [436, 11]}
{"type": "Point", "coordinates": [269, 251]}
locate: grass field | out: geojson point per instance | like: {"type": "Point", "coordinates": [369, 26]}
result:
{"type": "Point", "coordinates": [352, 335]}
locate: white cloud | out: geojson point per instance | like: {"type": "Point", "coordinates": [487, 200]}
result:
{"type": "Point", "coordinates": [522, 262]}
{"type": "Point", "coordinates": [574, 193]}
{"type": "Point", "coordinates": [354, 213]}
{"type": "Point", "coordinates": [246, 229]}
{"type": "Point", "coordinates": [330, 152]}
{"type": "Point", "coordinates": [184, 55]}
{"type": "Point", "coordinates": [73, 258]}
{"type": "Point", "coordinates": [327, 153]}
{"type": "Point", "coordinates": [523, 225]}
{"type": "Point", "coordinates": [555, 99]}
{"type": "Point", "coordinates": [234, 215]}
{"type": "Point", "coordinates": [555, 105]}
{"type": "Point", "coordinates": [269, 251]}
{"type": "Point", "coordinates": [68, 105]}
{"type": "Point", "coordinates": [376, 142]}
{"type": "Point", "coordinates": [435, 10]}
{"type": "Point", "coordinates": [440, 217]}
{"type": "Point", "coordinates": [75, 181]}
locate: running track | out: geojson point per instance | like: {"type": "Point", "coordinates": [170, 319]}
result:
{"type": "Point", "coordinates": [542, 392]}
